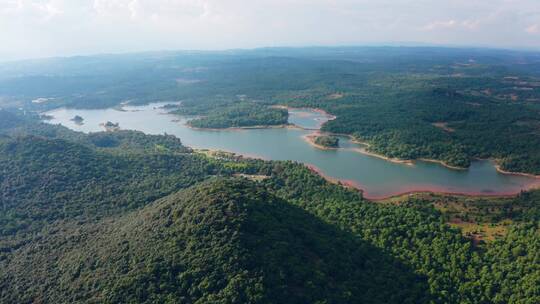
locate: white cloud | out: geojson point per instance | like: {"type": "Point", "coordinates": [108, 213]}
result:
{"type": "Point", "coordinates": [452, 24]}
{"type": "Point", "coordinates": [40, 9]}
{"type": "Point", "coordinates": [533, 29]}
{"type": "Point", "coordinates": [10, 6]}
{"type": "Point", "coordinates": [470, 24]}
{"type": "Point", "coordinates": [140, 9]}
{"type": "Point", "coordinates": [31, 28]}
{"type": "Point", "coordinates": [440, 24]}
{"type": "Point", "coordinates": [134, 8]}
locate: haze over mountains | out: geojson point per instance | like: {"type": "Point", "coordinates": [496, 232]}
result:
{"type": "Point", "coordinates": [46, 28]}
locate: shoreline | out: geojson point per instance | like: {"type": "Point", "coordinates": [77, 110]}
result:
{"type": "Point", "coordinates": [442, 193]}
{"type": "Point", "coordinates": [357, 187]}
{"type": "Point", "coordinates": [409, 162]}
{"type": "Point", "coordinates": [361, 150]}
{"type": "Point", "coordinates": [442, 163]}
{"type": "Point", "coordinates": [336, 181]}
{"type": "Point", "coordinates": [256, 127]}
{"type": "Point", "coordinates": [331, 117]}
{"type": "Point", "coordinates": [530, 175]}
{"type": "Point", "coordinates": [318, 110]}
{"type": "Point", "coordinates": [364, 151]}
{"type": "Point", "coordinates": [429, 160]}
{"type": "Point", "coordinates": [310, 139]}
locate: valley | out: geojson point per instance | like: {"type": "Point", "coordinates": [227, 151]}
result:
{"type": "Point", "coordinates": [373, 174]}
{"type": "Point", "coordinates": [277, 175]}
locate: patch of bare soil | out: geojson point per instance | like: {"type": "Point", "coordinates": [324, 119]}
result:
{"type": "Point", "coordinates": [252, 177]}
{"type": "Point", "coordinates": [443, 126]}
{"type": "Point", "coordinates": [514, 97]}
{"type": "Point", "coordinates": [335, 96]}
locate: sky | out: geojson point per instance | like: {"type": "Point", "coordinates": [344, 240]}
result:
{"type": "Point", "coordinates": [45, 28]}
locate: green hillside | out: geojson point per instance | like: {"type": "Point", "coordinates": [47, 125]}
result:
{"type": "Point", "coordinates": [147, 220]}
{"type": "Point", "coordinates": [49, 179]}
{"type": "Point", "coordinates": [224, 241]}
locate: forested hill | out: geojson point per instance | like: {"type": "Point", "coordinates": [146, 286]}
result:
{"type": "Point", "coordinates": [148, 220]}
{"type": "Point", "coordinates": [8, 119]}
{"type": "Point", "coordinates": [223, 241]}
{"type": "Point", "coordinates": [44, 180]}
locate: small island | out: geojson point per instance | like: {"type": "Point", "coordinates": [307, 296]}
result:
{"type": "Point", "coordinates": [110, 126]}
{"type": "Point", "coordinates": [323, 141]}
{"type": "Point", "coordinates": [78, 120]}
{"type": "Point", "coordinates": [232, 114]}
{"type": "Point", "coordinates": [327, 141]}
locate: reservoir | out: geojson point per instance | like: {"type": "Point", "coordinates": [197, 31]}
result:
{"type": "Point", "coordinates": [377, 177]}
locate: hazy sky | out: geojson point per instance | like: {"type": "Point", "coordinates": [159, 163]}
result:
{"type": "Point", "coordinates": [38, 28]}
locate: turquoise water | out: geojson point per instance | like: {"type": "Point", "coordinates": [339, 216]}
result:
{"type": "Point", "coordinates": [377, 177]}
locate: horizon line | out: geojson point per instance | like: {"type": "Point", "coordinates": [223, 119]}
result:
{"type": "Point", "coordinates": [402, 44]}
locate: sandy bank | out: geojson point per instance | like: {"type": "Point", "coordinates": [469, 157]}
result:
{"type": "Point", "coordinates": [498, 168]}
{"type": "Point", "coordinates": [310, 139]}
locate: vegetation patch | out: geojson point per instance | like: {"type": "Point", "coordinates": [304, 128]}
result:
{"type": "Point", "coordinates": [327, 141]}
{"type": "Point", "coordinates": [443, 126]}
{"type": "Point", "coordinates": [233, 115]}
{"type": "Point", "coordinates": [78, 120]}
{"type": "Point", "coordinates": [110, 126]}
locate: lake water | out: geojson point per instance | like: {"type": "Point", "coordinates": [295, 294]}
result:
{"type": "Point", "coordinates": [377, 177]}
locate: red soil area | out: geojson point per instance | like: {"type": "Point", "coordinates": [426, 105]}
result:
{"type": "Point", "coordinates": [417, 188]}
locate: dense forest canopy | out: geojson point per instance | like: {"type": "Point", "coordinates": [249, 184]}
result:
{"type": "Point", "coordinates": [123, 216]}
{"type": "Point", "coordinates": [231, 113]}
{"type": "Point", "coordinates": [327, 141]}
